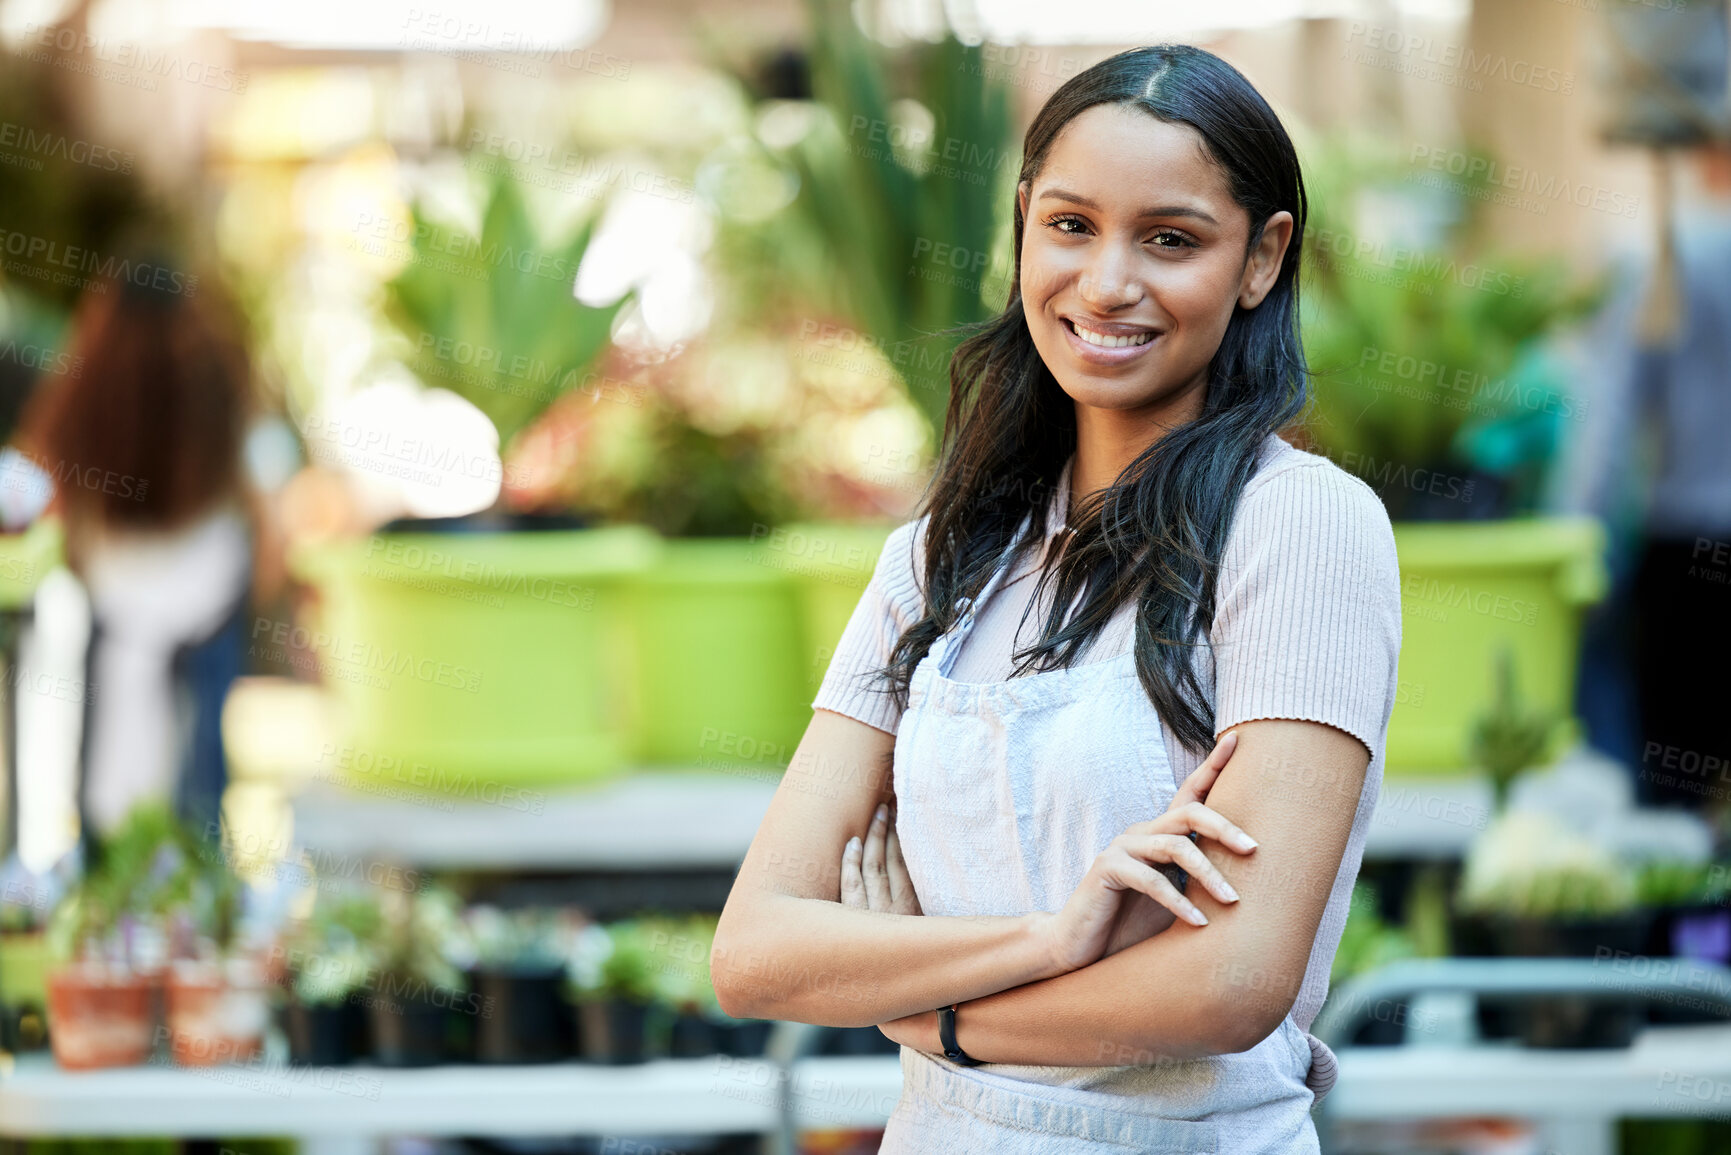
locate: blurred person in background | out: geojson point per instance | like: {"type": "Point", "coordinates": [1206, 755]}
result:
{"type": "Point", "coordinates": [144, 450]}
{"type": "Point", "coordinates": [1653, 460]}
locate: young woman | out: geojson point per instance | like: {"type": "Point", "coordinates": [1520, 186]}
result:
{"type": "Point", "coordinates": [1135, 640]}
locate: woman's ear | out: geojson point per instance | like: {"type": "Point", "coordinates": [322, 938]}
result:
{"type": "Point", "coordinates": [1263, 265]}
{"type": "Point", "coordinates": [1023, 188]}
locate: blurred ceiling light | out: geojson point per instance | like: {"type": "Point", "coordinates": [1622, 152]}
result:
{"type": "Point", "coordinates": [1144, 21]}
{"type": "Point", "coordinates": [652, 244]}
{"type": "Point", "coordinates": [528, 26]}
{"type": "Point", "coordinates": [296, 113]}
{"type": "Point", "coordinates": [427, 452]}
{"type": "Point", "coordinates": [19, 19]}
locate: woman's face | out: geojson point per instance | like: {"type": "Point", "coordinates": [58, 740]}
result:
{"type": "Point", "coordinates": [1133, 259]}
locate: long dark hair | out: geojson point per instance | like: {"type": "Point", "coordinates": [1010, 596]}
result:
{"type": "Point", "coordinates": [1156, 534]}
{"type": "Point", "coordinates": [148, 435]}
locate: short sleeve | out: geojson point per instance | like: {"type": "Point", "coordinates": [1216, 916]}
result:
{"type": "Point", "coordinates": [1307, 609]}
{"type": "Point", "coordinates": [891, 602]}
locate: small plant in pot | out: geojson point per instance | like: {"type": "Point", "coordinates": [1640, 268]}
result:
{"type": "Point", "coordinates": [683, 986]}
{"type": "Point", "coordinates": [1691, 905]}
{"type": "Point", "coordinates": [108, 942]}
{"type": "Point", "coordinates": [698, 1027]}
{"type": "Point", "coordinates": [1534, 887]}
{"type": "Point", "coordinates": [612, 978]}
{"type": "Point", "coordinates": [420, 1007]}
{"type": "Point", "coordinates": [519, 975]}
{"type": "Point", "coordinates": [327, 961]}
{"type": "Point", "coordinates": [1508, 739]}
{"type": "Point", "coordinates": [217, 998]}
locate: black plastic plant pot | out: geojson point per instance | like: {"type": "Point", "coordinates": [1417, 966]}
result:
{"type": "Point", "coordinates": [1611, 936]}
{"type": "Point", "coordinates": [1577, 1021]}
{"type": "Point", "coordinates": [320, 1035]}
{"type": "Point", "coordinates": [692, 1036]}
{"type": "Point", "coordinates": [742, 1038]}
{"type": "Point", "coordinates": [522, 1016]}
{"type": "Point", "coordinates": [409, 1032]}
{"type": "Point", "coordinates": [627, 1031]}
{"type": "Point", "coordinates": [1501, 936]}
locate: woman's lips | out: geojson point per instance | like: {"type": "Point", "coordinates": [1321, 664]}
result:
{"type": "Point", "coordinates": [1119, 351]}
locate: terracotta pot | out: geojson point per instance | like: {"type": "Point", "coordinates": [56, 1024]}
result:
{"type": "Point", "coordinates": [99, 1016]}
{"type": "Point", "coordinates": [215, 1014]}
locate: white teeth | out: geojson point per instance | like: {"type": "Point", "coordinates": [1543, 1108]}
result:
{"type": "Point", "coordinates": [1109, 342]}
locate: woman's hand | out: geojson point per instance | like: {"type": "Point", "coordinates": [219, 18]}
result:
{"type": "Point", "coordinates": [874, 877]}
{"type": "Point", "coordinates": [873, 874]}
{"type": "Point", "coordinates": [1123, 899]}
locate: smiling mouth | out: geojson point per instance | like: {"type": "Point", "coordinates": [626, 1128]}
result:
{"type": "Point", "coordinates": [1110, 340]}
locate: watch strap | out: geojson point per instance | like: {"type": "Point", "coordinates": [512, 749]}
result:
{"type": "Point", "coordinates": [947, 1036]}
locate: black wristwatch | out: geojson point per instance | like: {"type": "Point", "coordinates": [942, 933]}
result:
{"type": "Point", "coordinates": [947, 1036]}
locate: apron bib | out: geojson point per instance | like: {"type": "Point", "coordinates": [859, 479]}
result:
{"type": "Point", "coordinates": [1006, 792]}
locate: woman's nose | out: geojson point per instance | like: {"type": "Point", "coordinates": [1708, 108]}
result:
{"type": "Point", "coordinates": [1109, 280]}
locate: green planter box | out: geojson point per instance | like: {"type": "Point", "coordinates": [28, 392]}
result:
{"type": "Point", "coordinates": [25, 558]}
{"type": "Point", "coordinates": [24, 966]}
{"type": "Point", "coordinates": [464, 663]}
{"type": "Point", "coordinates": [721, 682]}
{"type": "Point", "coordinates": [1468, 588]}
{"type": "Point", "coordinates": [833, 563]}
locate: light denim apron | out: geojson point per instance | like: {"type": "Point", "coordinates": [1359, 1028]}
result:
{"type": "Point", "coordinates": [1005, 794]}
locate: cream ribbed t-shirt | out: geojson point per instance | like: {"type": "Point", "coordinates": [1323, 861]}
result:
{"type": "Point", "coordinates": [1307, 626]}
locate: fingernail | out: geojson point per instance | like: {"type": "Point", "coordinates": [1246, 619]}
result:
{"type": "Point", "coordinates": [883, 812]}
{"type": "Point", "coordinates": [853, 842]}
{"type": "Point", "coordinates": [1247, 842]}
{"type": "Point", "coordinates": [1197, 918]}
{"type": "Point", "coordinates": [1228, 893]}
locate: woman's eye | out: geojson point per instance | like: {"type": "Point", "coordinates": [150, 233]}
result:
{"type": "Point", "coordinates": [1179, 240]}
{"type": "Point", "coordinates": [1059, 224]}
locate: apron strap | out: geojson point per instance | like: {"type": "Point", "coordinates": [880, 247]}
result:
{"type": "Point", "coordinates": [948, 646]}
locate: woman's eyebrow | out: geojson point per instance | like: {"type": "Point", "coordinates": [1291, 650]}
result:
{"type": "Point", "coordinates": [1158, 211]}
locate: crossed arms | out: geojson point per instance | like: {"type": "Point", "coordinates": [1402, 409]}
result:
{"type": "Point", "coordinates": [787, 947]}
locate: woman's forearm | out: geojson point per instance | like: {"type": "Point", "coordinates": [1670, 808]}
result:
{"type": "Point", "coordinates": [1187, 992]}
{"type": "Point", "coordinates": [813, 961]}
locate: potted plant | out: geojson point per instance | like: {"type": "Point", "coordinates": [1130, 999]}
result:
{"type": "Point", "coordinates": [421, 1010]}
{"type": "Point", "coordinates": [109, 945]}
{"type": "Point", "coordinates": [1531, 886]}
{"type": "Point", "coordinates": [1691, 904]}
{"type": "Point", "coordinates": [682, 984]}
{"type": "Point", "coordinates": [519, 975]}
{"type": "Point", "coordinates": [216, 997]}
{"type": "Point", "coordinates": [612, 978]}
{"type": "Point", "coordinates": [1509, 738]}
{"type": "Point", "coordinates": [1431, 364]}
{"type": "Point", "coordinates": [326, 964]}
{"type": "Point", "coordinates": [490, 657]}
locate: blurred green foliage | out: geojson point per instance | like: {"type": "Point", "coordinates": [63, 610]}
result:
{"type": "Point", "coordinates": [493, 318]}
{"type": "Point", "coordinates": [152, 869]}
{"type": "Point", "coordinates": [1419, 335]}
{"type": "Point", "coordinates": [1368, 941]}
{"type": "Point", "coordinates": [908, 181]}
{"type": "Point", "coordinates": [1508, 738]}
{"type": "Point", "coordinates": [329, 951]}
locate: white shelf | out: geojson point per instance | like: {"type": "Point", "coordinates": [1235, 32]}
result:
{"type": "Point", "coordinates": [644, 820]}
{"type": "Point", "coordinates": [664, 1097]}
{"type": "Point", "coordinates": [1668, 1072]}
{"type": "Point", "coordinates": [705, 819]}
